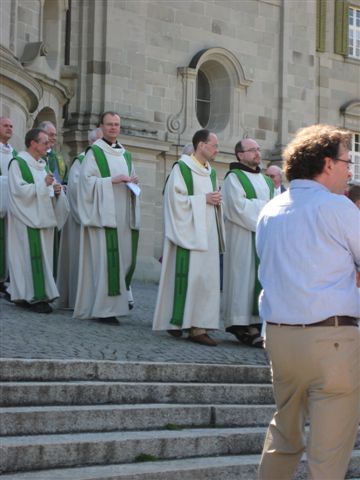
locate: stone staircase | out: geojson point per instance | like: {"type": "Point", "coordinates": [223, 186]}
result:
{"type": "Point", "coordinates": [86, 420]}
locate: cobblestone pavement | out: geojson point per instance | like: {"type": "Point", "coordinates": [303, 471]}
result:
{"type": "Point", "coordinates": [25, 334]}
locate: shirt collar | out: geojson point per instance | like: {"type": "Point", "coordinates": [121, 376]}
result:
{"type": "Point", "coordinates": [307, 183]}
{"type": "Point", "coordinates": [113, 145]}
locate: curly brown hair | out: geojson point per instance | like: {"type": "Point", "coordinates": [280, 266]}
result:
{"type": "Point", "coordinates": [304, 156]}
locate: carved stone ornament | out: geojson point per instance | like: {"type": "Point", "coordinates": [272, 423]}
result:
{"type": "Point", "coordinates": [32, 51]}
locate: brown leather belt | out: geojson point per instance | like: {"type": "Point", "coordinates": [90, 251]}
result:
{"type": "Point", "coordinates": [335, 321]}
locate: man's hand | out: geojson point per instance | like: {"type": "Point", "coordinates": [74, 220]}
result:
{"type": "Point", "coordinates": [49, 179]}
{"type": "Point", "coordinates": [125, 179]}
{"type": "Point", "coordinates": [57, 189]}
{"type": "Point", "coordinates": [120, 179]}
{"type": "Point", "coordinates": [134, 179]}
{"type": "Point", "coordinates": [213, 198]}
{"type": "Point", "coordinates": [358, 279]}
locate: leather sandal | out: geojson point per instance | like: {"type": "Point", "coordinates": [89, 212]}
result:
{"type": "Point", "coordinates": [203, 339]}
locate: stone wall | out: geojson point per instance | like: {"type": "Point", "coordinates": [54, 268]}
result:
{"type": "Point", "coordinates": [141, 58]}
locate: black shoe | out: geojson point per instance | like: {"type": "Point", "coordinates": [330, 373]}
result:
{"type": "Point", "coordinates": [175, 333]}
{"type": "Point", "coordinates": [7, 296]}
{"type": "Point", "coordinates": [110, 320]}
{"type": "Point", "coordinates": [40, 307]}
{"type": "Point", "coordinates": [238, 331]}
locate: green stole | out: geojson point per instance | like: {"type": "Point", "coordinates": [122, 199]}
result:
{"type": "Point", "coordinates": [112, 241]}
{"type": "Point", "coordinates": [34, 244]}
{"type": "Point", "coordinates": [183, 255]}
{"type": "Point", "coordinates": [3, 239]}
{"type": "Point", "coordinates": [79, 157]}
{"type": "Point", "coordinates": [251, 194]}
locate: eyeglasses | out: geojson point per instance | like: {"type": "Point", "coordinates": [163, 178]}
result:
{"type": "Point", "coordinates": [42, 143]}
{"type": "Point", "coordinates": [253, 150]}
{"type": "Point", "coordinates": [349, 162]}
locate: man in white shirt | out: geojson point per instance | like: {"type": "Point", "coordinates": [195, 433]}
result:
{"type": "Point", "coordinates": [308, 245]}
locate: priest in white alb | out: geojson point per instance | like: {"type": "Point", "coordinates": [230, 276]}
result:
{"type": "Point", "coordinates": [7, 152]}
{"type": "Point", "coordinates": [246, 191]}
{"type": "Point", "coordinates": [68, 263]}
{"type": "Point", "coordinates": [108, 208]}
{"type": "Point", "coordinates": [189, 291]}
{"type": "Point", "coordinates": [36, 206]}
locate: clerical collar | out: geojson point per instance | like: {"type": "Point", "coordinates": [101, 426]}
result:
{"type": "Point", "coordinates": [113, 145]}
{"type": "Point", "coordinates": [199, 163]}
{"type": "Point", "coordinates": [241, 166]}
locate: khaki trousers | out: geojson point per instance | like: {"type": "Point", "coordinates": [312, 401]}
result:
{"type": "Point", "coordinates": [316, 376]}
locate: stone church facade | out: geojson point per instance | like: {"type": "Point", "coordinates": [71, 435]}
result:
{"type": "Point", "coordinates": [257, 68]}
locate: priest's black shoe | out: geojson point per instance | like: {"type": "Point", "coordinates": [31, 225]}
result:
{"type": "Point", "coordinates": [109, 320]}
{"type": "Point", "coordinates": [40, 307]}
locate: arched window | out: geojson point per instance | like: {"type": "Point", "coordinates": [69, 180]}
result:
{"type": "Point", "coordinates": [203, 99]}
{"type": "Point", "coordinates": [213, 88]}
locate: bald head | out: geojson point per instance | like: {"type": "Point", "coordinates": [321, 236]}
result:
{"type": "Point", "coordinates": [6, 129]}
{"type": "Point", "coordinates": [275, 173]}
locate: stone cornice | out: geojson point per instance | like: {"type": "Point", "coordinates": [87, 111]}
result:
{"type": "Point", "coordinates": [17, 78]}
{"type": "Point", "coordinates": [60, 90]}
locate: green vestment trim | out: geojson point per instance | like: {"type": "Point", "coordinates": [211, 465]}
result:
{"type": "Point", "coordinates": [113, 271]}
{"type": "Point", "coordinates": [111, 235]}
{"type": "Point", "coordinates": [79, 157]}
{"type": "Point", "coordinates": [183, 255]}
{"type": "Point", "coordinates": [250, 195]}
{"type": "Point", "coordinates": [34, 244]}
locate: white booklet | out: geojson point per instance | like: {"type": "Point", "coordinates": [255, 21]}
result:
{"type": "Point", "coordinates": [134, 188]}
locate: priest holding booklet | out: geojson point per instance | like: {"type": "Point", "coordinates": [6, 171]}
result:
{"type": "Point", "coordinates": [108, 208]}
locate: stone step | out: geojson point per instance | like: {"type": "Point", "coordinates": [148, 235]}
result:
{"type": "Point", "coordinates": [230, 467]}
{"type": "Point", "coordinates": [89, 393]}
{"type": "Point", "coordinates": [37, 452]}
{"type": "Point", "coordinates": [94, 418]}
{"type": "Point", "coordinates": [67, 370]}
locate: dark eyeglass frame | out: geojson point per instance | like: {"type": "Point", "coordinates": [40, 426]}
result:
{"type": "Point", "coordinates": [349, 162]}
{"type": "Point", "coordinates": [254, 150]}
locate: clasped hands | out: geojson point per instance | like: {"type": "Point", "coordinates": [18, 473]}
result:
{"type": "Point", "coordinates": [125, 179]}
{"type": "Point", "coordinates": [214, 198]}
{"type": "Point", "coordinates": [49, 180]}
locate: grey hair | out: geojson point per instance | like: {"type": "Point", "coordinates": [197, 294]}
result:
{"type": "Point", "coordinates": [45, 124]}
{"type": "Point", "coordinates": [94, 134]}
{"type": "Point", "coordinates": [188, 149]}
